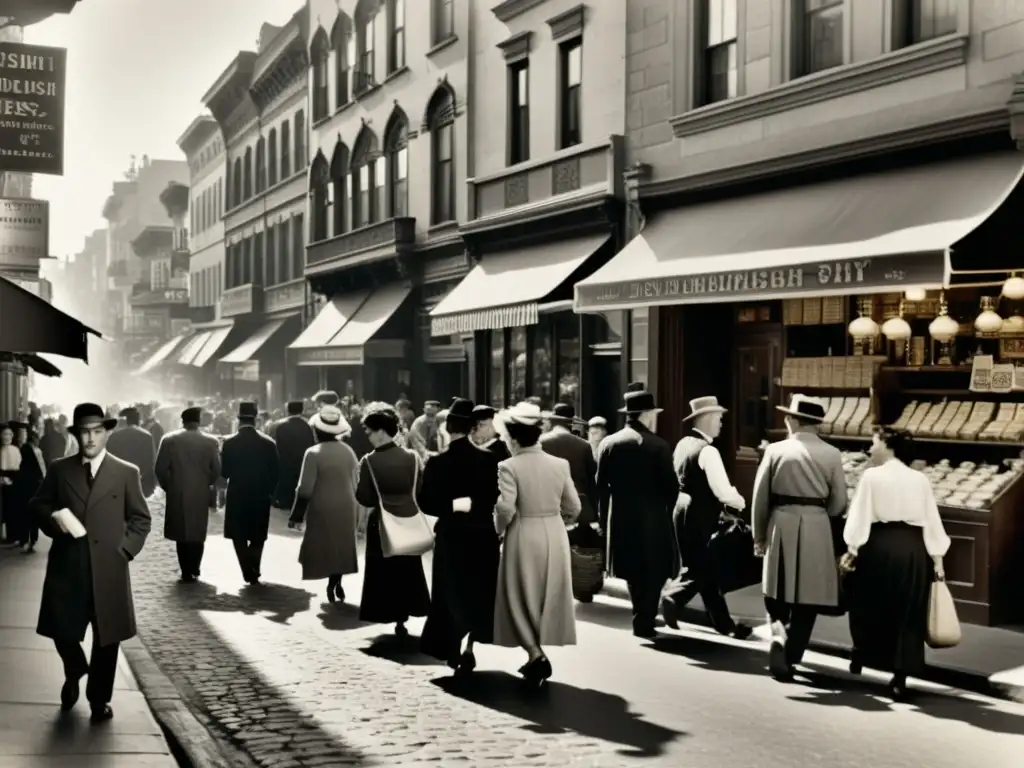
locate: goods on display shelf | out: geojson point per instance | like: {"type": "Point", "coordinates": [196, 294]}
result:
{"type": "Point", "coordinates": [963, 420]}
{"type": "Point", "coordinates": [856, 372]}
{"type": "Point", "coordinates": [847, 416]}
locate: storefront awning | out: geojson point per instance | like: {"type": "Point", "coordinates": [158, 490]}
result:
{"type": "Point", "coordinates": [505, 289]}
{"type": "Point", "coordinates": [162, 353]}
{"type": "Point", "coordinates": [330, 320]}
{"type": "Point", "coordinates": [874, 233]}
{"type": "Point", "coordinates": [252, 345]}
{"type": "Point", "coordinates": [31, 324]}
{"type": "Point", "coordinates": [212, 346]}
{"type": "Point", "coordinates": [192, 347]}
{"type": "Point", "coordinates": [349, 345]}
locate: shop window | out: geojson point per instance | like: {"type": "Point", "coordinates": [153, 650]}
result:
{"type": "Point", "coordinates": [567, 340]}
{"type": "Point", "coordinates": [339, 186]}
{"type": "Point", "coordinates": [496, 377]}
{"type": "Point", "coordinates": [720, 81]}
{"type": "Point", "coordinates": [543, 355]}
{"type": "Point", "coordinates": [638, 349]}
{"type": "Point", "coordinates": [342, 43]}
{"type": "Point", "coordinates": [516, 363]}
{"type": "Point", "coordinates": [822, 35]}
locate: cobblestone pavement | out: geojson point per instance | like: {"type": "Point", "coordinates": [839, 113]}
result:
{"type": "Point", "coordinates": [290, 681]}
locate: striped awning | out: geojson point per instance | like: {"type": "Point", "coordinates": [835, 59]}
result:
{"type": "Point", "coordinates": [505, 289]}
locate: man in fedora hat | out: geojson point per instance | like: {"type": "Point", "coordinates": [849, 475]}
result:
{"type": "Point", "coordinates": [134, 444]}
{"type": "Point", "coordinates": [485, 436]}
{"type": "Point", "coordinates": [800, 485]}
{"type": "Point", "coordinates": [460, 488]}
{"type": "Point", "coordinates": [704, 489]}
{"type": "Point", "coordinates": [637, 488]}
{"type": "Point", "coordinates": [561, 442]}
{"type": "Point", "coordinates": [249, 463]}
{"type": "Point", "coordinates": [187, 466]}
{"type": "Point", "coordinates": [87, 579]}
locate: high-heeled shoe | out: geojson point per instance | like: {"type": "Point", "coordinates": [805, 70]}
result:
{"type": "Point", "coordinates": [536, 672]}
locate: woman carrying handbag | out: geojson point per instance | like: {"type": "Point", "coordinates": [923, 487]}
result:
{"type": "Point", "coordinates": [394, 586]}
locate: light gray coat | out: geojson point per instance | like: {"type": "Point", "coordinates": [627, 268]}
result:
{"type": "Point", "coordinates": [798, 537]}
{"type": "Point", "coordinates": [328, 480]}
{"type": "Point", "coordinates": [187, 464]}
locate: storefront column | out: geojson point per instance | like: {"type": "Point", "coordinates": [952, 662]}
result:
{"type": "Point", "coordinates": [633, 177]}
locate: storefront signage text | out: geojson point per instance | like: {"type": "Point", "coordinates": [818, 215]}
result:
{"type": "Point", "coordinates": [32, 91]}
{"type": "Point", "coordinates": [331, 356]}
{"type": "Point", "coordinates": [853, 275]}
{"type": "Point", "coordinates": [24, 231]}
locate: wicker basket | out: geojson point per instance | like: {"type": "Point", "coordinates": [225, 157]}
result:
{"type": "Point", "coordinates": [587, 572]}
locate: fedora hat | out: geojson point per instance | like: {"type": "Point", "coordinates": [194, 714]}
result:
{"type": "Point", "coordinates": [461, 408]}
{"type": "Point", "coordinates": [330, 419]}
{"type": "Point", "coordinates": [701, 405]}
{"type": "Point", "coordinates": [562, 413]}
{"type": "Point", "coordinates": [89, 415]}
{"type": "Point", "coordinates": [522, 413]}
{"type": "Point", "coordinates": [638, 400]}
{"type": "Point", "coordinates": [809, 409]}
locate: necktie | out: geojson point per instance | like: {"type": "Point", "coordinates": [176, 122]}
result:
{"type": "Point", "coordinates": [88, 474]}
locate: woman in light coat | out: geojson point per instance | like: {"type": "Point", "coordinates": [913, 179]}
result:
{"type": "Point", "coordinates": [895, 542]}
{"type": "Point", "coordinates": [326, 495]}
{"type": "Point", "coordinates": [534, 603]}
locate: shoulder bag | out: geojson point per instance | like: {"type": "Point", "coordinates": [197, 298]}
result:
{"type": "Point", "coordinates": [403, 536]}
{"type": "Point", "coordinates": [943, 623]}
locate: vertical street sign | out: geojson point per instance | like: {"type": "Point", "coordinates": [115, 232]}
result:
{"type": "Point", "coordinates": [32, 91]}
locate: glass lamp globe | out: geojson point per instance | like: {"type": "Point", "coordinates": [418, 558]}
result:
{"type": "Point", "coordinates": [915, 294]}
{"type": "Point", "coordinates": [989, 320]}
{"type": "Point", "coordinates": [1013, 288]}
{"type": "Point", "coordinates": [944, 328]}
{"type": "Point", "coordinates": [863, 327]}
{"type": "Point", "coordinates": [896, 329]}
{"type": "Point", "coordinates": [1013, 324]}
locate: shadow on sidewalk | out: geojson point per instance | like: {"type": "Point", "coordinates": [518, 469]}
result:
{"type": "Point", "coordinates": [400, 650]}
{"type": "Point", "coordinates": [279, 602]}
{"type": "Point", "coordinates": [559, 708]}
{"type": "Point", "coordinates": [709, 654]}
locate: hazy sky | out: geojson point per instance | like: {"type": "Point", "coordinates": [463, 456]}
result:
{"type": "Point", "coordinates": [137, 70]}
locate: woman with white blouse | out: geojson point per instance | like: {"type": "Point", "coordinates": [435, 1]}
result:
{"type": "Point", "coordinates": [895, 544]}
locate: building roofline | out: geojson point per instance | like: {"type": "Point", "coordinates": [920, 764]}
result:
{"type": "Point", "coordinates": [201, 126]}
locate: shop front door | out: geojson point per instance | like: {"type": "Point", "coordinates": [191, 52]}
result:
{"type": "Point", "coordinates": [757, 364]}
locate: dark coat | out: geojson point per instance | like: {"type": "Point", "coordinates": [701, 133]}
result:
{"type": "Point", "coordinates": [582, 467]}
{"type": "Point", "coordinates": [249, 463]}
{"type": "Point", "coordinates": [53, 445]}
{"type": "Point", "coordinates": [637, 490]}
{"type": "Point", "coordinates": [293, 437]}
{"type": "Point", "coordinates": [93, 570]}
{"type": "Point", "coordinates": [135, 445]}
{"type": "Point", "coordinates": [394, 588]}
{"type": "Point", "coordinates": [466, 550]}
{"type": "Point", "coordinates": [30, 476]}
{"type": "Point", "coordinates": [156, 431]}
{"type": "Point", "coordinates": [187, 464]}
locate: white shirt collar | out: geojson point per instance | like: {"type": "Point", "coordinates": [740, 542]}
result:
{"type": "Point", "coordinates": [96, 461]}
{"type": "Point", "coordinates": [703, 434]}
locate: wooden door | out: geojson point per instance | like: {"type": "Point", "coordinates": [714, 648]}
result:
{"type": "Point", "coordinates": [758, 363]}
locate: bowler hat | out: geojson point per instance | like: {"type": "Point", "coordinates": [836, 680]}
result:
{"type": "Point", "coordinates": [461, 407]}
{"type": "Point", "coordinates": [248, 410]}
{"type": "Point", "coordinates": [192, 415]}
{"type": "Point", "coordinates": [88, 415]}
{"type": "Point", "coordinates": [638, 400]}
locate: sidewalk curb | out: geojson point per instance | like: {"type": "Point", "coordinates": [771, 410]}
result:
{"type": "Point", "coordinates": [193, 745]}
{"type": "Point", "coordinates": [951, 677]}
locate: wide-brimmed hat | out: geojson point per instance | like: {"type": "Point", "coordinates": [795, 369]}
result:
{"type": "Point", "coordinates": [562, 413]}
{"type": "Point", "coordinates": [248, 410]}
{"type": "Point", "coordinates": [637, 400]}
{"type": "Point", "coordinates": [89, 415]}
{"type": "Point", "coordinates": [701, 405]}
{"type": "Point", "coordinates": [522, 413]}
{"type": "Point", "coordinates": [598, 421]}
{"type": "Point", "coordinates": [326, 397]}
{"type": "Point", "coordinates": [330, 419]}
{"type": "Point", "coordinates": [809, 409]}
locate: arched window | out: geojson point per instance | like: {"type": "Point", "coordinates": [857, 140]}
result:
{"type": "Point", "coordinates": [366, 12]}
{"type": "Point", "coordinates": [365, 206]}
{"type": "Point", "coordinates": [286, 150]}
{"type": "Point", "coordinates": [236, 183]}
{"type": "Point", "coordinates": [319, 56]}
{"type": "Point", "coordinates": [342, 42]}
{"type": "Point", "coordinates": [319, 207]}
{"type": "Point", "coordinates": [441, 123]}
{"type": "Point", "coordinates": [272, 157]}
{"type": "Point", "coordinates": [396, 150]}
{"type": "Point", "coordinates": [261, 165]}
{"type": "Point", "coordinates": [340, 187]}
{"type": "Point", "coordinates": [300, 141]}
{"type": "Point", "coordinates": [247, 175]}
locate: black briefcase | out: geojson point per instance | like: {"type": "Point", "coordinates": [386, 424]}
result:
{"type": "Point", "coordinates": [731, 554]}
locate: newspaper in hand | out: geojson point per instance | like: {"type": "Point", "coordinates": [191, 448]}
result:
{"type": "Point", "coordinates": [70, 523]}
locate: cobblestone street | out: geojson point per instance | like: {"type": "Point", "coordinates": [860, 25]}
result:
{"type": "Point", "coordinates": [287, 681]}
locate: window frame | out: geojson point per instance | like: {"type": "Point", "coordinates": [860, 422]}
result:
{"type": "Point", "coordinates": [711, 46]}
{"type": "Point", "coordinates": [396, 144]}
{"type": "Point", "coordinates": [321, 81]}
{"type": "Point", "coordinates": [272, 157]}
{"type": "Point", "coordinates": [396, 35]}
{"type": "Point", "coordinates": [319, 206]}
{"type": "Point", "coordinates": [912, 16]}
{"type": "Point", "coordinates": [285, 136]}
{"type": "Point", "coordinates": [365, 55]}
{"type": "Point", "coordinates": [809, 11]}
{"type": "Point", "coordinates": [570, 95]}
{"type": "Point", "coordinates": [518, 100]}
{"type": "Point", "coordinates": [442, 21]}
{"type": "Point", "coordinates": [341, 42]}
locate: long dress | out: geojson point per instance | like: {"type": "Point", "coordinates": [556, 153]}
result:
{"type": "Point", "coordinates": [895, 530]}
{"type": "Point", "coordinates": [534, 604]}
{"type": "Point", "coordinates": [394, 588]}
{"type": "Point", "coordinates": [328, 479]}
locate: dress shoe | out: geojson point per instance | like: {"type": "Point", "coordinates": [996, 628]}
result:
{"type": "Point", "coordinates": [645, 633]}
{"type": "Point", "coordinates": [466, 663]}
{"type": "Point", "coordinates": [779, 667]}
{"type": "Point", "coordinates": [536, 672]}
{"type": "Point", "coordinates": [101, 713]}
{"type": "Point", "coordinates": [742, 631]}
{"type": "Point", "coordinates": [69, 694]}
{"type": "Point", "coordinates": [856, 667]}
{"type": "Point", "coordinates": [401, 631]}
{"type": "Point", "coordinates": [898, 688]}
{"type": "Point", "coordinates": [188, 579]}
{"type": "Point", "coordinates": [670, 612]}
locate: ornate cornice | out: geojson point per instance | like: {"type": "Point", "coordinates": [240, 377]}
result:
{"type": "Point", "coordinates": [568, 23]}
{"type": "Point", "coordinates": [198, 131]}
{"type": "Point", "coordinates": [509, 9]}
{"type": "Point", "coordinates": [517, 47]}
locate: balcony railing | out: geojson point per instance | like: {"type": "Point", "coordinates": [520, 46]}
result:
{"type": "Point", "coordinates": [374, 242]}
{"type": "Point", "coordinates": [241, 300]}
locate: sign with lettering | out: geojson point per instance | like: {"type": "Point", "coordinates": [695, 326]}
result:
{"type": "Point", "coordinates": [850, 276]}
{"type": "Point", "coordinates": [331, 356]}
{"type": "Point", "coordinates": [24, 231]}
{"type": "Point", "coordinates": [32, 91]}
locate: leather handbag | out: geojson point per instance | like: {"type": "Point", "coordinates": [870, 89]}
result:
{"type": "Point", "coordinates": [943, 624]}
{"type": "Point", "coordinates": [403, 536]}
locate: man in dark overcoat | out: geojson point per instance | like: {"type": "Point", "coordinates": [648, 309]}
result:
{"type": "Point", "coordinates": [249, 463]}
{"type": "Point", "coordinates": [637, 488]}
{"type": "Point", "coordinates": [561, 442]}
{"type": "Point", "coordinates": [293, 437]}
{"type": "Point", "coordinates": [187, 466]}
{"type": "Point", "coordinates": [87, 579]}
{"type": "Point", "coordinates": [152, 425]}
{"type": "Point", "coordinates": [134, 444]}
{"type": "Point", "coordinates": [460, 488]}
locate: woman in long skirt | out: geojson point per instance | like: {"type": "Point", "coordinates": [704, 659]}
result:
{"type": "Point", "coordinates": [895, 544]}
{"type": "Point", "coordinates": [394, 588]}
{"type": "Point", "coordinates": [326, 499]}
{"type": "Point", "coordinates": [534, 604]}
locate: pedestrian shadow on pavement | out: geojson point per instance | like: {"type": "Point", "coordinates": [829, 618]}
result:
{"type": "Point", "coordinates": [560, 708]}
{"type": "Point", "coordinates": [340, 617]}
{"type": "Point", "coordinates": [611, 616]}
{"type": "Point", "coordinates": [400, 650]}
{"type": "Point", "coordinates": [711, 654]}
{"type": "Point", "coordinates": [279, 602]}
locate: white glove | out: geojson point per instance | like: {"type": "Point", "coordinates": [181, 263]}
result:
{"type": "Point", "coordinates": [462, 504]}
{"type": "Point", "coordinates": [58, 519]}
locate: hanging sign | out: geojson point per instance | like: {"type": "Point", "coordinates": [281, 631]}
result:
{"type": "Point", "coordinates": [33, 82]}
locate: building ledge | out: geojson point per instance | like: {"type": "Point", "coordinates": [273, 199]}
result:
{"type": "Point", "coordinates": [592, 196]}
{"type": "Point", "coordinates": [440, 45]}
{"type": "Point", "coordinates": [509, 9]}
{"type": "Point", "coordinates": [913, 61]}
{"type": "Point", "coordinates": [374, 242]}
